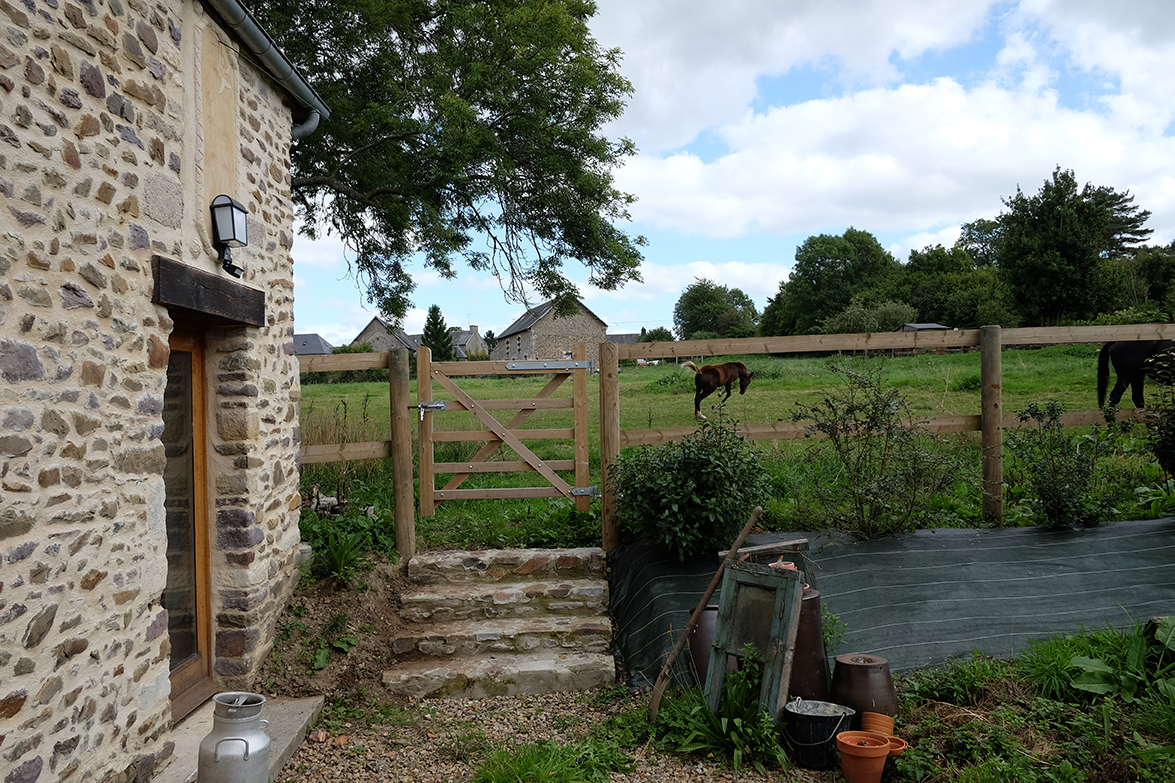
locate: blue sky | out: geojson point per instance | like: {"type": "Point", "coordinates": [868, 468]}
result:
{"type": "Point", "coordinates": [763, 122]}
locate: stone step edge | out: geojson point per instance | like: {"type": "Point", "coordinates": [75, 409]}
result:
{"type": "Point", "coordinates": [481, 592]}
{"type": "Point", "coordinates": [502, 675]}
{"type": "Point", "coordinates": [495, 565]}
{"type": "Point", "coordinates": [463, 635]}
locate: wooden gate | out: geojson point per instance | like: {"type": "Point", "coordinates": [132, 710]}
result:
{"type": "Point", "coordinates": [497, 434]}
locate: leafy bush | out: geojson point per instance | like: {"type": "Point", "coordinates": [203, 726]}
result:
{"type": "Point", "coordinates": [550, 762]}
{"type": "Point", "coordinates": [693, 496]}
{"type": "Point", "coordinates": [740, 731]}
{"type": "Point", "coordinates": [1060, 470]}
{"type": "Point", "coordinates": [890, 467]}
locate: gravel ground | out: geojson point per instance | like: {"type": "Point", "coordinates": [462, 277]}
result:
{"type": "Point", "coordinates": [441, 741]}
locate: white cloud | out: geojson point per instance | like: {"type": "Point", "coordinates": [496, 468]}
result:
{"type": "Point", "coordinates": [326, 252]}
{"type": "Point", "coordinates": [924, 239]}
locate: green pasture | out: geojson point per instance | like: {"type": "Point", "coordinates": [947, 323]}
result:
{"type": "Point", "coordinates": [661, 396]}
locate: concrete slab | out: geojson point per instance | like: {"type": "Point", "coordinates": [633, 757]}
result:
{"type": "Point", "coordinates": [289, 720]}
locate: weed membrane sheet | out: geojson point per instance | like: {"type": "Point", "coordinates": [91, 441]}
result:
{"type": "Point", "coordinates": [920, 598]}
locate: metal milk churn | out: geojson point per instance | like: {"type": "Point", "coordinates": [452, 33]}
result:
{"type": "Point", "coordinates": [237, 748]}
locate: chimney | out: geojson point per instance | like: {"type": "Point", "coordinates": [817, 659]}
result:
{"type": "Point", "coordinates": [473, 328]}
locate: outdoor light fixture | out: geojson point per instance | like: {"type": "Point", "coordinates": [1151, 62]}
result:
{"type": "Point", "coordinates": [229, 230]}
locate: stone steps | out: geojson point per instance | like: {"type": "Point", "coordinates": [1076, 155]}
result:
{"type": "Point", "coordinates": [504, 622]}
{"type": "Point", "coordinates": [503, 675]}
{"type": "Point", "coordinates": [466, 601]}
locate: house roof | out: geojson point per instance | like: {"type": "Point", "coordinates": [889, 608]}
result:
{"type": "Point", "coordinates": [538, 313]}
{"type": "Point", "coordinates": [305, 344]}
{"type": "Point", "coordinates": [631, 337]}
{"type": "Point", "coordinates": [920, 327]}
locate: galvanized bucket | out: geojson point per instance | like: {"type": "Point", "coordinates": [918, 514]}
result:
{"type": "Point", "coordinates": [237, 748]}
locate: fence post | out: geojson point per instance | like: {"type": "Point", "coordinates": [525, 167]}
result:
{"type": "Point", "coordinates": [424, 439]}
{"type": "Point", "coordinates": [582, 450]}
{"type": "Point", "coordinates": [609, 436]}
{"type": "Point", "coordinates": [990, 375]}
{"type": "Point", "coordinates": [405, 508]}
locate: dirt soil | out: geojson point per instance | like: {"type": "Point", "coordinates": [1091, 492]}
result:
{"type": "Point", "coordinates": [329, 614]}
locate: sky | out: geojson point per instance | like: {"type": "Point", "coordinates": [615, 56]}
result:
{"type": "Point", "coordinates": [760, 123]}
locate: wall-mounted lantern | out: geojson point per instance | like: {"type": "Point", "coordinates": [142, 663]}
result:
{"type": "Point", "coordinates": [229, 229]}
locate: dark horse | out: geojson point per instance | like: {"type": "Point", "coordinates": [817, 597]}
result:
{"type": "Point", "coordinates": [1130, 363]}
{"type": "Point", "coordinates": [715, 376]}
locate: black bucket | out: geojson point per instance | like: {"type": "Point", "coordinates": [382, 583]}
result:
{"type": "Point", "coordinates": [810, 729]}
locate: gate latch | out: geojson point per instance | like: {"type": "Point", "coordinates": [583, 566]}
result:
{"type": "Point", "coordinates": [430, 406]}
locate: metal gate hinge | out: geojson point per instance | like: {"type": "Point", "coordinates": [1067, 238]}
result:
{"type": "Point", "coordinates": [585, 491]}
{"type": "Point", "coordinates": [550, 366]}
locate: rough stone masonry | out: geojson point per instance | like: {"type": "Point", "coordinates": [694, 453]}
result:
{"type": "Point", "coordinates": [106, 160]}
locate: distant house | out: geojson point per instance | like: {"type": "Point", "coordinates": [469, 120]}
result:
{"type": "Point", "coordinates": [626, 339]}
{"type": "Point", "coordinates": [381, 338]}
{"type": "Point", "coordinates": [307, 344]}
{"type": "Point", "coordinates": [921, 328]}
{"type": "Point", "coordinates": [538, 334]}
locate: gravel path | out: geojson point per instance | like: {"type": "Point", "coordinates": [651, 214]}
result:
{"type": "Point", "coordinates": [442, 741]}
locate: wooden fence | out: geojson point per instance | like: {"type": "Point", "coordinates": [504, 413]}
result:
{"type": "Point", "coordinates": [990, 422]}
{"type": "Point", "coordinates": [990, 340]}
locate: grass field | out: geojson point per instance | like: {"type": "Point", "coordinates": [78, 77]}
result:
{"type": "Point", "coordinates": [661, 397]}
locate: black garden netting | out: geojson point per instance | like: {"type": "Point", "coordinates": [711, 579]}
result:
{"type": "Point", "coordinates": [920, 598]}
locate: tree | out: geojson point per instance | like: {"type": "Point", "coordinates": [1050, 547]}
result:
{"type": "Point", "coordinates": [658, 335]}
{"type": "Point", "coordinates": [706, 306]}
{"type": "Point", "coordinates": [1054, 243]}
{"type": "Point", "coordinates": [437, 336]}
{"type": "Point", "coordinates": [981, 240]}
{"type": "Point", "coordinates": [828, 272]}
{"type": "Point", "coordinates": [859, 318]}
{"type": "Point", "coordinates": [491, 340]}
{"type": "Point", "coordinates": [461, 129]}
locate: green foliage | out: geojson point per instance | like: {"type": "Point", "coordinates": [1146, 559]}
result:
{"type": "Point", "coordinates": [693, 496]}
{"type": "Point", "coordinates": [658, 335]}
{"type": "Point", "coordinates": [549, 762]}
{"type": "Point", "coordinates": [891, 468]}
{"type": "Point", "coordinates": [436, 336]}
{"type": "Point", "coordinates": [858, 318]}
{"type": "Point", "coordinates": [833, 630]}
{"type": "Point", "coordinates": [1046, 665]}
{"type": "Point", "coordinates": [959, 681]}
{"type": "Point", "coordinates": [1062, 235]}
{"type": "Point", "coordinates": [740, 732]}
{"type": "Point", "coordinates": [460, 129]}
{"type": "Point", "coordinates": [706, 308]}
{"type": "Point", "coordinates": [828, 272]}
{"type": "Point", "coordinates": [1059, 468]}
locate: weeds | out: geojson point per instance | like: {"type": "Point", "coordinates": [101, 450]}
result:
{"type": "Point", "coordinates": [889, 467]}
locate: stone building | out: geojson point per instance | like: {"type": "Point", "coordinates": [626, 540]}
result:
{"type": "Point", "coordinates": [383, 338]}
{"type": "Point", "coordinates": [148, 399]}
{"type": "Point", "coordinates": [539, 334]}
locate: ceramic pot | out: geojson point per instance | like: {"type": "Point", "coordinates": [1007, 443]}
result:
{"type": "Point", "coordinates": [877, 723]}
{"type": "Point", "coordinates": [862, 755]}
{"type": "Point", "coordinates": [809, 669]}
{"type": "Point", "coordinates": [897, 745]}
{"type": "Point", "coordinates": [701, 645]}
{"type": "Point", "coordinates": [863, 682]}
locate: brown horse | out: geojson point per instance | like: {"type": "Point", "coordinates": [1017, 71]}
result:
{"type": "Point", "coordinates": [714, 376]}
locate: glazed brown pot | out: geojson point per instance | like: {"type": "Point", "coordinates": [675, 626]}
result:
{"type": "Point", "coordinates": [863, 682]}
{"type": "Point", "coordinates": [809, 669]}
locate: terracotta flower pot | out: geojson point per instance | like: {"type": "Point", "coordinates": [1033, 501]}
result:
{"type": "Point", "coordinates": [877, 722]}
{"type": "Point", "coordinates": [897, 745]}
{"type": "Point", "coordinates": [862, 755]}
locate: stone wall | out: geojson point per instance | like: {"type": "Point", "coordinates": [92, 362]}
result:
{"type": "Point", "coordinates": [103, 166]}
{"type": "Point", "coordinates": [554, 338]}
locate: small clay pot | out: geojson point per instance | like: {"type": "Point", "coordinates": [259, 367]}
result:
{"type": "Point", "coordinates": [897, 745]}
{"type": "Point", "coordinates": [862, 755]}
{"type": "Point", "coordinates": [877, 722]}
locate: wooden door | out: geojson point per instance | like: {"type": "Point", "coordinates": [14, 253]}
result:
{"type": "Point", "coordinates": [186, 596]}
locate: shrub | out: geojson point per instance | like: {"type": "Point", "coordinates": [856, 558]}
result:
{"type": "Point", "coordinates": [890, 467]}
{"type": "Point", "coordinates": [693, 496]}
{"type": "Point", "coordinates": [1059, 469]}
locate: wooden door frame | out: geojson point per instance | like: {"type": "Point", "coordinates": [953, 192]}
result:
{"type": "Point", "coordinates": [192, 683]}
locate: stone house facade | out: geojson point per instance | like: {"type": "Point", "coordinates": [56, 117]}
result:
{"type": "Point", "coordinates": [382, 339]}
{"type": "Point", "coordinates": [148, 401]}
{"type": "Point", "coordinates": [538, 334]}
